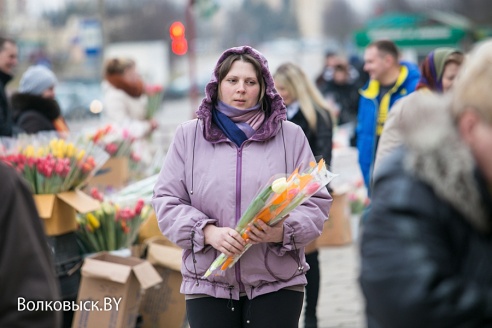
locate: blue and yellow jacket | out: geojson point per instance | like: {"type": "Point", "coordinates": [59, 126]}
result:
{"type": "Point", "coordinates": [373, 113]}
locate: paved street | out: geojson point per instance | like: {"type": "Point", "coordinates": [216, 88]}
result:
{"type": "Point", "coordinates": [340, 303]}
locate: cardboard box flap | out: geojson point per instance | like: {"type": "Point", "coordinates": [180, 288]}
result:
{"type": "Point", "coordinates": [146, 275]}
{"type": "Point", "coordinates": [160, 240]}
{"type": "Point", "coordinates": [44, 205]}
{"type": "Point", "coordinates": [166, 256]}
{"type": "Point", "coordinates": [95, 268]}
{"type": "Point", "coordinates": [81, 202]}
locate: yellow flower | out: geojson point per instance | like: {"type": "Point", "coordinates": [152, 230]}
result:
{"type": "Point", "coordinates": [146, 211]}
{"type": "Point", "coordinates": [60, 148]}
{"type": "Point", "coordinates": [29, 151]}
{"type": "Point", "coordinates": [70, 150]}
{"type": "Point", "coordinates": [52, 144]}
{"type": "Point", "coordinates": [93, 221]}
{"type": "Point", "coordinates": [107, 208]}
{"type": "Point", "coordinates": [279, 185]}
{"type": "Point", "coordinates": [80, 154]}
{"type": "Point", "coordinates": [40, 152]}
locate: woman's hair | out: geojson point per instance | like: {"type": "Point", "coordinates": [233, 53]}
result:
{"type": "Point", "coordinates": [303, 90]}
{"type": "Point", "coordinates": [472, 85]}
{"type": "Point", "coordinates": [225, 67]}
{"type": "Point", "coordinates": [118, 65]}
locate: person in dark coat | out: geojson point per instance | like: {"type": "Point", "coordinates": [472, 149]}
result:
{"type": "Point", "coordinates": [343, 93]}
{"type": "Point", "coordinates": [26, 263]}
{"type": "Point", "coordinates": [306, 108]}
{"type": "Point", "coordinates": [35, 106]}
{"type": "Point", "coordinates": [426, 243]}
{"type": "Point", "coordinates": [8, 62]}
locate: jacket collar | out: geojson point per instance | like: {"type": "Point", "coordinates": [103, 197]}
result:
{"type": "Point", "coordinates": [5, 78]}
{"type": "Point", "coordinates": [372, 90]}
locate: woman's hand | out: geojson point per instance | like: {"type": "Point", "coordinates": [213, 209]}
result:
{"type": "Point", "coordinates": [260, 232]}
{"type": "Point", "coordinates": [225, 240]}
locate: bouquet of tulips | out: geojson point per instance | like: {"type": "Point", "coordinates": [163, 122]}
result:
{"type": "Point", "coordinates": [112, 227]}
{"type": "Point", "coordinates": [274, 202]}
{"type": "Point", "coordinates": [50, 164]}
{"type": "Point", "coordinates": [117, 142]}
{"type": "Point", "coordinates": [154, 96]}
{"type": "Point", "coordinates": [358, 200]}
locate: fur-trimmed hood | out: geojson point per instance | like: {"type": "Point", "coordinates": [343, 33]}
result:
{"type": "Point", "coordinates": [438, 156]}
{"type": "Point", "coordinates": [276, 113]}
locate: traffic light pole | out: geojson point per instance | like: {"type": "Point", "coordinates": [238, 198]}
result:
{"type": "Point", "coordinates": [191, 28]}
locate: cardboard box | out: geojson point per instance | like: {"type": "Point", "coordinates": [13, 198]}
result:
{"type": "Point", "coordinates": [114, 173]}
{"type": "Point", "coordinates": [164, 306]}
{"type": "Point", "coordinates": [149, 229]}
{"type": "Point", "coordinates": [337, 230]}
{"type": "Point", "coordinates": [108, 279]}
{"type": "Point", "coordinates": [58, 211]}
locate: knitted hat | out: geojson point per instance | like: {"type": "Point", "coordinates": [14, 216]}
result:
{"type": "Point", "coordinates": [36, 80]}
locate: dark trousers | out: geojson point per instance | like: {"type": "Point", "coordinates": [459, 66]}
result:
{"type": "Point", "coordinates": [280, 309]}
{"type": "Point", "coordinates": [312, 290]}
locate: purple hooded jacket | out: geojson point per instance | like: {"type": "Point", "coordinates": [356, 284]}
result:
{"type": "Point", "coordinates": [207, 179]}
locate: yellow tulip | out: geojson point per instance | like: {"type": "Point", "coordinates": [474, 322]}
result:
{"type": "Point", "coordinates": [80, 154]}
{"type": "Point", "coordinates": [40, 152]}
{"type": "Point", "coordinates": [107, 208]}
{"type": "Point", "coordinates": [52, 143]}
{"type": "Point", "coordinates": [29, 151]}
{"type": "Point", "coordinates": [279, 185]}
{"type": "Point", "coordinates": [70, 150]}
{"type": "Point", "coordinates": [93, 221]}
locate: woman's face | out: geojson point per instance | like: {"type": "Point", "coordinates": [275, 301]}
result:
{"type": "Point", "coordinates": [240, 87]}
{"type": "Point", "coordinates": [49, 93]}
{"type": "Point", "coordinates": [340, 75]}
{"type": "Point", "coordinates": [450, 72]}
{"type": "Point", "coordinates": [130, 74]}
{"type": "Point", "coordinates": [284, 92]}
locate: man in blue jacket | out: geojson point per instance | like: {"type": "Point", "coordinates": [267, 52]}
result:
{"type": "Point", "coordinates": [389, 81]}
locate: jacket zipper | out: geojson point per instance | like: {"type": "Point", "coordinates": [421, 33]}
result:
{"type": "Point", "coordinates": [239, 169]}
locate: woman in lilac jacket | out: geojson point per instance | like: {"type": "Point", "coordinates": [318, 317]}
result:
{"type": "Point", "coordinates": [214, 168]}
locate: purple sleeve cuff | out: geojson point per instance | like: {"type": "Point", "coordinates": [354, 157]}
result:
{"type": "Point", "coordinates": [199, 238]}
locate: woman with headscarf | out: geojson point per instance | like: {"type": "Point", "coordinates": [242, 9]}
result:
{"type": "Point", "coordinates": [213, 170]}
{"type": "Point", "coordinates": [439, 70]}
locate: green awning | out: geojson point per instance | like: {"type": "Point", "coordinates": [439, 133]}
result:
{"type": "Point", "coordinates": [411, 31]}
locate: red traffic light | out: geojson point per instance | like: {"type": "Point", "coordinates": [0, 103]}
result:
{"type": "Point", "coordinates": [177, 30]}
{"type": "Point", "coordinates": [179, 46]}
